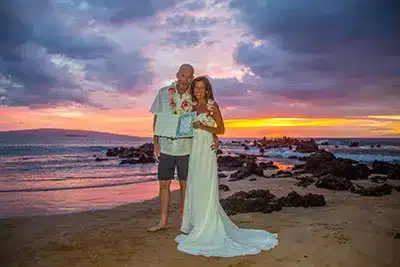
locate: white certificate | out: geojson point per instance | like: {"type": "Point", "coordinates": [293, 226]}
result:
{"type": "Point", "coordinates": [175, 126]}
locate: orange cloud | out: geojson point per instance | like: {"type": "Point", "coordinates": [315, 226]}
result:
{"type": "Point", "coordinates": [138, 122]}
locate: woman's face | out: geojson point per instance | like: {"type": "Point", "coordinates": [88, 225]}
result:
{"type": "Point", "coordinates": [199, 90]}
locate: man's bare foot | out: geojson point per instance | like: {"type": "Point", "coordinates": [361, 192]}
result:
{"type": "Point", "coordinates": [160, 226]}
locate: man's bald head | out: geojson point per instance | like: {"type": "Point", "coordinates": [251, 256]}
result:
{"type": "Point", "coordinates": [185, 75]}
{"type": "Point", "coordinates": [186, 67]}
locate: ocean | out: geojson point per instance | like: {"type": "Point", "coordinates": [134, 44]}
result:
{"type": "Point", "coordinates": [44, 175]}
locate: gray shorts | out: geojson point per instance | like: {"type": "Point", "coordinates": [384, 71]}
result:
{"type": "Point", "coordinates": [167, 165]}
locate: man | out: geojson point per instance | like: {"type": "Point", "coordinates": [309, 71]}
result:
{"type": "Point", "coordinates": [173, 153]}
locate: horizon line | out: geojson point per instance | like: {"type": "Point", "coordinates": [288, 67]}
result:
{"type": "Point", "coordinates": [221, 137]}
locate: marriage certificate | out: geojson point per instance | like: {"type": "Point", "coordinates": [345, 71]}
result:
{"type": "Point", "coordinates": [175, 126]}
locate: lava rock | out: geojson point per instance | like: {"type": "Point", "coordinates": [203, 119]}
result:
{"type": "Point", "coordinates": [334, 183]}
{"type": "Point", "coordinates": [263, 201]}
{"type": "Point", "coordinates": [305, 181]}
{"type": "Point", "coordinates": [376, 191]}
{"type": "Point", "coordinates": [222, 175]}
{"type": "Point", "coordinates": [307, 147]}
{"type": "Point", "coordinates": [224, 187]}
{"type": "Point", "coordinates": [294, 199]}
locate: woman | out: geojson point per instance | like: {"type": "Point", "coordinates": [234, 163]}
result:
{"type": "Point", "coordinates": [208, 230]}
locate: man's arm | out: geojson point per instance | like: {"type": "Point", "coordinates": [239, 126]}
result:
{"type": "Point", "coordinates": [156, 107]}
{"type": "Point", "coordinates": [156, 138]}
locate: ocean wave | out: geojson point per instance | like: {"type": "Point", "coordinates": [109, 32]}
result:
{"type": "Point", "coordinates": [277, 153]}
{"type": "Point", "coordinates": [45, 189]}
{"type": "Point", "coordinates": [61, 149]}
{"type": "Point", "coordinates": [323, 141]}
{"type": "Point", "coordinates": [368, 157]}
{"type": "Point", "coordinates": [73, 178]}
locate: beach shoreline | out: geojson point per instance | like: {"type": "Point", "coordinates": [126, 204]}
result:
{"type": "Point", "coordinates": [351, 230]}
{"type": "Point", "coordinates": [112, 197]}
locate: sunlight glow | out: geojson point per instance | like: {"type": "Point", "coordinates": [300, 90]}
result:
{"type": "Point", "coordinates": [287, 122]}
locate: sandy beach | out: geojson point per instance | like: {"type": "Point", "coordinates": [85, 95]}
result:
{"type": "Point", "coordinates": [351, 230]}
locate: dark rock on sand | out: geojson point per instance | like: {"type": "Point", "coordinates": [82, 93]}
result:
{"type": "Point", "coordinates": [287, 142]}
{"type": "Point", "coordinates": [267, 165]}
{"type": "Point", "coordinates": [252, 201]}
{"type": "Point", "coordinates": [394, 173]}
{"type": "Point", "coordinates": [293, 199]}
{"type": "Point", "coordinates": [363, 170]}
{"type": "Point", "coordinates": [315, 161]}
{"type": "Point", "coordinates": [392, 170]}
{"type": "Point", "coordinates": [334, 183]}
{"type": "Point", "coordinates": [223, 187]}
{"type": "Point", "coordinates": [376, 191]}
{"type": "Point", "coordinates": [222, 175]}
{"type": "Point", "coordinates": [145, 158]}
{"type": "Point", "coordinates": [263, 201]}
{"type": "Point", "coordinates": [381, 167]}
{"type": "Point", "coordinates": [142, 154]}
{"type": "Point", "coordinates": [298, 167]}
{"type": "Point", "coordinates": [250, 168]}
{"type": "Point", "coordinates": [378, 178]}
{"type": "Point", "coordinates": [230, 162]}
{"type": "Point", "coordinates": [304, 158]}
{"type": "Point", "coordinates": [305, 181]}
{"type": "Point", "coordinates": [100, 159]}
{"type": "Point", "coordinates": [324, 163]}
{"type": "Point", "coordinates": [307, 147]}
{"type": "Point", "coordinates": [129, 161]}
{"type": "Point", "coordinates": [282, 174]}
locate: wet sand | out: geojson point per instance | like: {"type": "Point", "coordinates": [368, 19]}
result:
{"type": "Point", "coordinates": [350, 231]}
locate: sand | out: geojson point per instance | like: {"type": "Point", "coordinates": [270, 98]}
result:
{"type": "Point", "coordinates": [350, 231]}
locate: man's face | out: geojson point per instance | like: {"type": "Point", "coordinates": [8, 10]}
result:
{"type": "Point", "coordinates": [185, 76]}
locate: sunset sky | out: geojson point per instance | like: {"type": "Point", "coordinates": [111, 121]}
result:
{"type": "Point", "coordinates": [300, 68]}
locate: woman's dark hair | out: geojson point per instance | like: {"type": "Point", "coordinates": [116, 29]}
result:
{"type": "Point", "coordinates": [209, 90]}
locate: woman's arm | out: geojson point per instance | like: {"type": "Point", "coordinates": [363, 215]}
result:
{"type": "Point", "coordinates": [217, 116]}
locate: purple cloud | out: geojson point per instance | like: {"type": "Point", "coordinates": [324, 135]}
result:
{"type": "Point", "coordinates": [324, 52]}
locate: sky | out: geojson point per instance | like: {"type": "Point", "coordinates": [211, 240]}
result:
{"type": "Point", "coordinates": [294, 68]}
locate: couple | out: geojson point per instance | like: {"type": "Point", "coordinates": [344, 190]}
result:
{"type": "Point", "coordinates": [208, 231]}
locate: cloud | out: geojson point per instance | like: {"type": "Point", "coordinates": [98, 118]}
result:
{"type": "Point", "coordinates": [323, 52]}
{"type": "Point", "coordinates": [185, 30]}
{"type": "Point", "coordinates": [194, 5]}
{"type": "Point", "coordinates": [186, 38]}
{"type": "Point", "coordinates": [124, 11]}
{"type": "Point", "coordinates": [49, 56]}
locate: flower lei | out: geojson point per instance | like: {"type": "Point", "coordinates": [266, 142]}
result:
{"type": "Point", "coordinates": [185, 106]}
{"type": "Point", "coordinates": [209, 107]}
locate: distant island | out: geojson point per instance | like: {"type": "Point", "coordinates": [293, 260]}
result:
{"type": "Point", "coordinates": [76, 135]}
{"type": "Point", "coordinates": [59, 133]}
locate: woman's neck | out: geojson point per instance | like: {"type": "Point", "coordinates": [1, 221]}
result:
{"type": "Point", "coordinates": [201, 101]}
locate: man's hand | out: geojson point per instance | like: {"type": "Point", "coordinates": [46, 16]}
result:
{"type": "Point", "coordinates": [215, 145]}
{"type": "Point", "coordinates": [156, 151]}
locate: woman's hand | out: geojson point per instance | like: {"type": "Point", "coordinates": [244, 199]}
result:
{"type": "Point", "coordinates": [198, 125]}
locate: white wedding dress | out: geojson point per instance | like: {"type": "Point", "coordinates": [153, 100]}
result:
{"type": "Point", "coordinates": [209, 231]}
